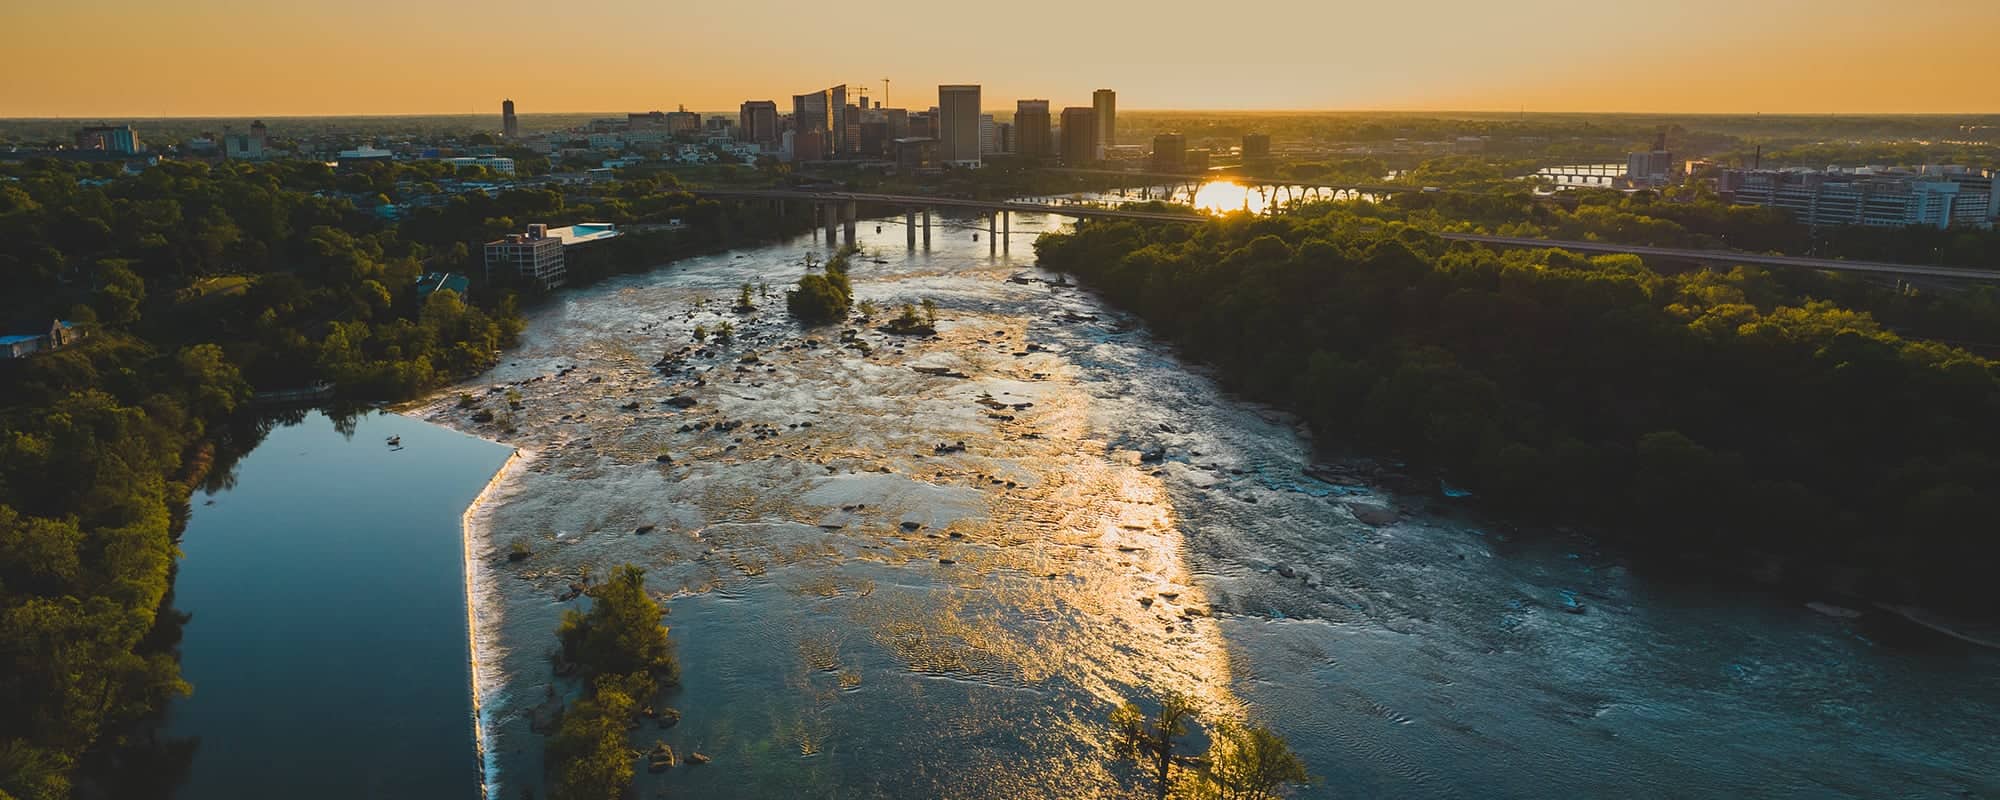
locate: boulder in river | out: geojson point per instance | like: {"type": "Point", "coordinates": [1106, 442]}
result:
{"type": "Point", "coordinates": [1377, 514]}
{"type": "Point", "coordinates": [661, 757]}
{"type": "Point", "coordinates": [680, 401]}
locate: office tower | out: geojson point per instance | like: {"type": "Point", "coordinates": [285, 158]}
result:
{"type": "Point", "coordinates": [824, 111]}
{"type": "Point", "coordinates": [1256, 145]}
{"type": "Point", "coordinates": [958, 124]}
{"type": "Point", "coordinates": [757, 121]}
{"type": "Point", "coordinates": [875, 139]}
{"type": "Point", "coordinates": [989, 142]}
{"type": "Point", "coordinates": [851, 131]}
{"type": "Point", "coordinates": [1003, 137]}
{"type": "Point", "coordinates": [1079, 136]}
{"type": "Point", "coordinates": [1031, 128]}
{"type": "Point", "coordinates": [510, 128]}
{"type": "Point", "coordinates": [808, 145]}
{"type": "Point", "coordinates": [1169, 152]}
{"type": "Point", "coordinates": [1105, 103]}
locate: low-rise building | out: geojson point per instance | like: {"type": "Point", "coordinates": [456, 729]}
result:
{"type": "Point", "coordinates": [500, 164]}
{"type": "Point", "coordinates": [58, 335]}
{"type": "Point", "coordinates": [915, 154]}
{"type": "Point", "coordinates": [532, 256]}
{"type": "Point", "coordinates": [120, 139]}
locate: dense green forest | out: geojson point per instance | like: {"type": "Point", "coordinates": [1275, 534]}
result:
{"type": "Point", "coordinates": [194, 285]}
{"type": "Point", "coordinates": [1702, 412]}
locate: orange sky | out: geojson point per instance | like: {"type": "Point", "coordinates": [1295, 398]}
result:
{"type": "Point", "coordinates": [139, 58]}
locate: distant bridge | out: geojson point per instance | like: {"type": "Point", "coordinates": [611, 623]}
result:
{"type": "Point", "coordinates": [1735, 257]}
{"type": "Point", "coordinates": [1301, 187]}
{"type": "Point", "coordinates": [1067, 209]}
{"type": "Point", "coordinates": [839, 209]}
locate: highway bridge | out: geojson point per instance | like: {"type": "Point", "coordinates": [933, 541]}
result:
{"type": "Point", "coordinates": [838, 207]}
{"type": "Point", "coordinates": [1735, 257]}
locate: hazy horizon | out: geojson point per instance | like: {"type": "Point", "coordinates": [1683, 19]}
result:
{"type": "Point", "coordinates": [609, 112]}
{"type": "Point", "coordinates": [128, 59]}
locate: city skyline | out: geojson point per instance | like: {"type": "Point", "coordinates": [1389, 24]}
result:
{"type": "Point", "coordinates": [1543, 56]}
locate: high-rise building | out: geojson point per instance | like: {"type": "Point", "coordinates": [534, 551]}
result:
{"type": "Point", "coordinates": [989, 138]}
{"type": "Point", "coordinates": [1256, 145]}
{"type": "Point", "coordinates": [510, 128]}
{"type": "Point", "coordinates": [958, 124]}
{"type": "Point", "coordinates": [1003, 138]}
{"type": "Point", "coordinates": [757, 121]}
{"type": "Point", "coordinates": [875, 139]}
{"type": "Point", "coordinates": [1169, 152]}
{"type": "Point", "coordinates": [1079, 136]}
{"type": "Point", "coordinates": [1105, 103]}
{"type": "Point", "coordinates": [1031, 128]}
{"type": "Point", "coordinates": [808, 145]}
{"type": "Point", "coordinates": [851, 130]}
{"type": "Point", "coordinates": [120, 139]}
{"type": "Point", "coordinates": [824, 111]}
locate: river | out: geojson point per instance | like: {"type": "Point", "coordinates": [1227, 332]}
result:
{"type": "Point", "coordinates": [327, 644]}
{"type": "Point", "coordinates": [864, 610]}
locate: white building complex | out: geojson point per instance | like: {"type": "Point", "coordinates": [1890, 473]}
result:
{"type": "Point", "coordinates": [1935, 197]}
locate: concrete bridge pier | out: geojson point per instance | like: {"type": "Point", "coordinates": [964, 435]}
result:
{"type": "Point", "coordinates": [1006, 230]}
{"type": "Point", "coordinates": [851, 219]}
{"type": "Point", "coordinates": [832, 217]}
{"type": "Point", "coordinates": [910, 228]}
{"type": "Point", "coordinates": [992, 229]}
{"type": "Point", "coordinates": [927, 229]}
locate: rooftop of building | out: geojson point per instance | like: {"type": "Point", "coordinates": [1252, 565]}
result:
{"type": "Point", "coordinates": [584, 233]}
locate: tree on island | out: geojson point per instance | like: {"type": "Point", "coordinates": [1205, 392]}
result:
{"type": "Point", "coordinates": [588, 757]}
{"type": "Point", "coordinates": [823, 298]}
{"type": "Point", "coordinates": [1247, 762]}
{"type": "Point", "coordinates": [621, 634]}
{"type": "Point", "coordinates": [1151, 740]}
{"type": "Point", "coordinates": [625, 651]}
{"type": "Point", "coordinates": [1243, 762]}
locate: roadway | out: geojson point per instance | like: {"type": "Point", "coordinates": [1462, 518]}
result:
{"type": "Point", "coordinates": [1733, 257]}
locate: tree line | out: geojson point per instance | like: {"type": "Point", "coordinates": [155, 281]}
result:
{"type": "Point", "coordinates": [1719, 413]}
